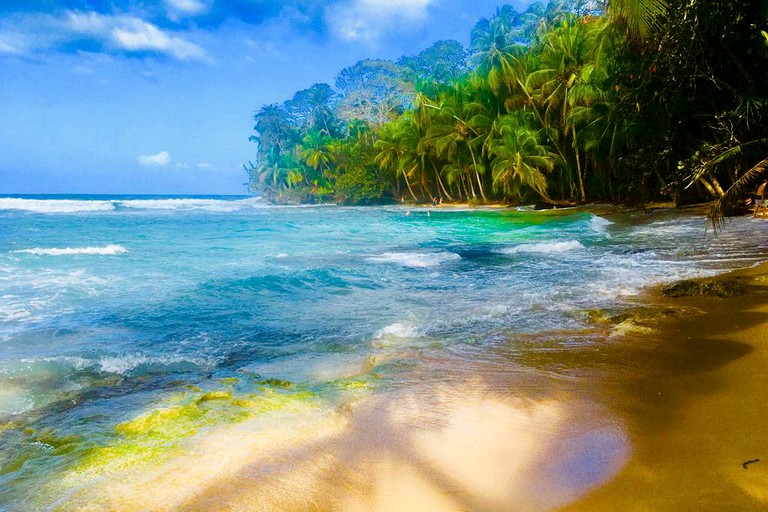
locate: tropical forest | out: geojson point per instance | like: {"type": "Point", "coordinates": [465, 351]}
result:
{"type": "Point", "coordinates": [627, 101]}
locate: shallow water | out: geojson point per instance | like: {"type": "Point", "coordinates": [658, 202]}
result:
{"type": "Point", "coordinates": [139, 329]}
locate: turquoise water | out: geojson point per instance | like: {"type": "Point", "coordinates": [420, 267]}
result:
{"type": "Point", "coordinates": [113, 306]}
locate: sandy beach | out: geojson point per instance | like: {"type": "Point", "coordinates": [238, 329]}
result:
{"type": "Point", "coordinates": [694, 405]}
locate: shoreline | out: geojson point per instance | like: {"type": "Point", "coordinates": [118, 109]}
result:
{"type": "Point", "coordinates": [695, 415]}
{"type": "Point", "coordinates": [658, 412]}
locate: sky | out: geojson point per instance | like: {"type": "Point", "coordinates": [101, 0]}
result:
{"type": "Point", "coordinates": [157, 97]}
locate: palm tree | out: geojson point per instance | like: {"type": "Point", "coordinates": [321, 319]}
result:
{"type": "Point", "coordinates": [638, 18]}
{"type": "Point", "coordinates": [391, 149]}
{"type": "Point", "coordinates": [519, 158]}
{"type": "Point", "coordinates": [452, 133]}
{"type": "Point", "coordinates": [316, 150]}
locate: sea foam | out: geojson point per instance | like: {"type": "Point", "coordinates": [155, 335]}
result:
{"type": "Point", "coordinates": [599, 224]}
{"type": "Point", "coordinates": [398, 330]}
{"type": "Point", "coordinates": [544, 247]}
{"type": "Point", "coordinates": [190, 204]}
{"type": "Point", "coordinates": [415, 259]}
{"type": "Point", "coordinates": [108, 250]}
{"type": "Point", "coordinates": [55, 205]}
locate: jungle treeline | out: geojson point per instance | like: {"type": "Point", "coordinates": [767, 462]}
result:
{"type": "Point", "coordinates": [575, 101]}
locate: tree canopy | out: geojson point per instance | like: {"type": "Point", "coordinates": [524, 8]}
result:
{"type": "Point", "coordinates": [578, 100]}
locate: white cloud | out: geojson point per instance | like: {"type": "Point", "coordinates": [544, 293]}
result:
{"type": "Point", "coordinates": [369, 20]}
{"type": "Point", "coordinates": [179, 9]}
{"type": "Point", "coordinates": [8, 48]}
{"type": "Point", "coordinates": [161, 159]}
{"type": "Point", "coordinates": [205, 166]}
{"type": "Point", "coordinates": [137, 35]}
{"type": "Point", "coordinates": [110, 34]}
{"type": "Point", "coordinates": [132, 35]}
{"type": "Point", "coordinates": [191, 7]}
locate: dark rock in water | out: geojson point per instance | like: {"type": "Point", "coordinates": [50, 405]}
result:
{"type": "Point", "coordinates": [723, 288]}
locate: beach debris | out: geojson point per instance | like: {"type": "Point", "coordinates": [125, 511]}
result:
{"type": "Point", "coordinates": [723, 288]}
{"type": "Point", "coordinates": [747, 463]}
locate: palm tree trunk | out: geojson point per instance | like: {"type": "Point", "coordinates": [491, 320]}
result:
{"type": "Point", "coordinates": [717, 186]}
{"type": "Point", "coordinates": [477, 174]}
{"type": "Point", "coordinates": [709, 188]}
{"type": "Point", "coordinates": [440, 183]}
{"type": "Point", "coordinates": [578, 167]}
{"type": "Point", "coordinates": [408, 184]}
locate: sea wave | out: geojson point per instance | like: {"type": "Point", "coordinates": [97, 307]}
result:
{"type": "Point", "coordinates": [125, 363]}
{"type": "Point", "coordinates": [415, 259]}
{"type": "Point", "coordinates": [53, 206]}
{"type": "Point", "coordinates": [187, 204]}
{"type": "Point", "coordinates": [108, 250]}
{"type": "Point", "coordinates": [399, 330]}
{"type": "Point", "coordinates": [544, 247]}
{"type": "Point", "coordinates": [599, 224]}
{"type": "Point", "coordinates": [56, 205]}
{"type": "Point", "coordinates": [117, 364]}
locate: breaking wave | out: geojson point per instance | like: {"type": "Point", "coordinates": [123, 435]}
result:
{"type": "Point", "coordinates": [544, 247]}
{"type": "Point", "coordinates": [415, 259]}
{"type": "Point", "coordinates": [108, 250]}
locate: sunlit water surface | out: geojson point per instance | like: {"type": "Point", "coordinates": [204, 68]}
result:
{"type": "Point", "coordinates": [130, 326]}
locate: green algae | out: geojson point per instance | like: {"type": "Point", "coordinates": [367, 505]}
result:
{"type": "Point", "coordinates": [155, 435]}
{"type": "Point", "coordinates": [214, 395]}
{"type": "Point", "coordinates": [718, 287]}
{"type": "Point", "coordinates": [278, 383]}
{"type": "Point", "coordinates": [14, 464]}
{"type": "Point", "coordinates": [61, 444]}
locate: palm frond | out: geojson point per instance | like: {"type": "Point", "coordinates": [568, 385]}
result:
{"type": "Point", "coordinates": [725, 204]}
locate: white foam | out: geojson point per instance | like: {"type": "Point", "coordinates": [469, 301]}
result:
{"type": "Point", "coordinates": [125, 363]}
{"type": "Point", "coordinates": [599, 224]}
{"type": "Point", "coordinates": [415, 259]}
{"type": "Point", "coordinates": [55, 205]}
{"type": "Point", "coordinates": [398, 330]}
{"type": "Point", "coordinates": [108, 250]}
{"type": "Point", "coordinates": [213, 205]}
{"type": "Point", "coordinates": [544, 247]}
{"type": "Point", "coordinates": [102, 205]}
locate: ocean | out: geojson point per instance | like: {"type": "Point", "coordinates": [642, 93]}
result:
{"type": "Point", "coordinates": [132, 326]}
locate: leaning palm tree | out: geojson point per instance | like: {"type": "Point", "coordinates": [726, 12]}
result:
{"type": "Point", "coordinates": [728, 199]}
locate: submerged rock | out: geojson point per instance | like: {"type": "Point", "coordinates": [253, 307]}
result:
{"type": "Point", "coordinates": [724, 288]}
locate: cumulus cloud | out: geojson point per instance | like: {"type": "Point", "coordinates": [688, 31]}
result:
{"type": "Point", "coordinates": [161, 159]}
{"type": "Point", "coordinates": [95, 32]}
{"type": "Point", "coordinates": [130, 34]}
{"type": "Point", "coordinates": [369, 20]}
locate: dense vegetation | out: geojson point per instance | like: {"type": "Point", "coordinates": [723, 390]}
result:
{"type": "Point", "coordinates": [631, 100]}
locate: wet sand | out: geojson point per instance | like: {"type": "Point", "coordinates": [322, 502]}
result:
{"type": "Point", "coordinates": [696, 408]}
{"type": "Point", "coordinates": [654, 410]}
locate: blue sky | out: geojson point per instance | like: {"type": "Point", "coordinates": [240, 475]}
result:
{"type": "Point", "coordinates": [138, 96]}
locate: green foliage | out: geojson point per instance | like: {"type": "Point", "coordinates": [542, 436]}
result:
{"type": "Point", "coordinates": [361, 181]}
{"type": "Point", "coordinates": [632, 100]}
